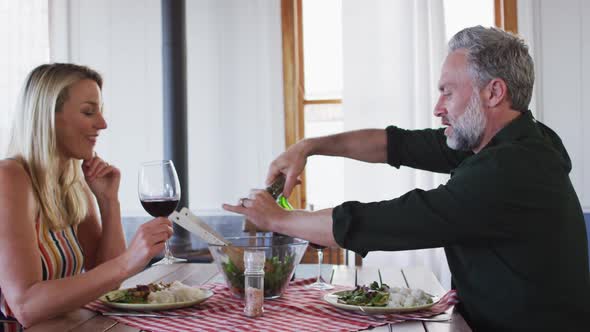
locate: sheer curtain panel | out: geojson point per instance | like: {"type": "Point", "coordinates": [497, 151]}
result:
{"type": "Point", "coordinates": [393, 51]}
{"type": "Point", "coordinates": [24, 44]}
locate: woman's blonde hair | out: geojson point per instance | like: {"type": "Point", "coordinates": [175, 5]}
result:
{"type": "Point", "coordinates": [60, 192]}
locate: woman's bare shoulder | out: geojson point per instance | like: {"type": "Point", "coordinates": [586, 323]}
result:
{"type": "Point", "coordinates": [13, 172]}
{"type": "Point", "coordinates": [17, 197]}
{"type": "Point", "coordinates": [16, 188]}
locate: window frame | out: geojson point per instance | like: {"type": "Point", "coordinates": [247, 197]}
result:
{"type": "Point", "coordinates": [505, 15]}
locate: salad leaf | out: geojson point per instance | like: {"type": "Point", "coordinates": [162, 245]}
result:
{"type": "Point", "coordinates": [276, 275]}
{"type": "Point", "coordinates": [374, 295]}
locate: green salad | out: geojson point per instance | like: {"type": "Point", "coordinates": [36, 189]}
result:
{"type": "Point", "coordinates": [374, 295]}
{"type": "Point", "coordinates": [378, 294]}
{"type": "Point", "coordinates": [276, 273]}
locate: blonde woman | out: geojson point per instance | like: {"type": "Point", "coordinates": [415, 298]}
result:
{"type": "Point", "coordinates": [50, 228]}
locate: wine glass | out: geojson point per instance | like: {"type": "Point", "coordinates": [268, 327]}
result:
{"type": "Point", "coordinates": [159, 193]}
{"type": "Point", "coordinates": [319, 283]}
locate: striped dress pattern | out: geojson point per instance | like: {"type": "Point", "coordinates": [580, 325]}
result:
{"type": "Point", "coordinates": [61, 256]}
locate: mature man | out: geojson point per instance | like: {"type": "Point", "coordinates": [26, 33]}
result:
{"type": "Point", "coordinates": [509, 219]}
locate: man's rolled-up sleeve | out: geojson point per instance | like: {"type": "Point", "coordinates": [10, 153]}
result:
{"type": "Point", "coordinates": [424, 149]}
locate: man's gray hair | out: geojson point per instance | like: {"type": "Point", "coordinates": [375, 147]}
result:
{"type": "Point", "coordinates": [493, 53]}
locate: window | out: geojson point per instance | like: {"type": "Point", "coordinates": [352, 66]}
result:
{"type": "Point", "coordinates": [312, 51]}
{"type": "Point", "coordinates": [481, 12]}
{"type": "Point", "coordinates": [322, 102]}
{"type": "Point", "coordinates": [322, 82]}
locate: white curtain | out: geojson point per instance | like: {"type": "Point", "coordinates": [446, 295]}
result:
{"type": "Point", "coordinates": [24, 44]}
{"type": "Point", "coordinates": [393, 51]}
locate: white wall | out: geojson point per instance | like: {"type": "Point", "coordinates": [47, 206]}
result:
{"type": "Point", "coordinates": [235, 103]}
{"type": "Point", "coordinates": [236, 122]}
{"type": "Point", "coordinates": [559, 31]}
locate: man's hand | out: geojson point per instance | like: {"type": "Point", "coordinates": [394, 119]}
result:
{"type": "Point", "coordinates": [260, 208]}
{"type": "Point", "coordinates": [291, 163]}
{"type": "Point", "coordinates": [102, 178]}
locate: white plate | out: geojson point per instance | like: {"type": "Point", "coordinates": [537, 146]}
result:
{"type": "Point", "coordinates": [332, 298]}
{"type": "Point", "coordinates": [153, 306]}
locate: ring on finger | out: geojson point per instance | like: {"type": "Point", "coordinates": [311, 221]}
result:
{"type": "Point", "coordinates": [242, 201]}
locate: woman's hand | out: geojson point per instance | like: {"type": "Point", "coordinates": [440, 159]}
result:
{"type": "Point", "coordinates": [260, 208]}
{"type": "Point", "coordinates": [291, 163]}
{"type": "Point", "coordinates": [102, 178]}
{"type": "Point", "coordinates": [148, 242]}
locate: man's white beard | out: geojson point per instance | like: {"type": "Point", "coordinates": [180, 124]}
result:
{"type": "Point", "coordinates": [468, 129]}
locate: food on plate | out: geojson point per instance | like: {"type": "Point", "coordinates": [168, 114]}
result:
{"type": "Point", "coordinates": [376, 295]}
{"type": "Point", "coordinates": [402, 297]}
{"type": "Point", "coordinates": [137, 294]}
{"type": "Point", "coordinates": [157, 293]}
{"type": "Point", "coordinates": [275, 273]}
{"type": "Point", "coordinates": [177, 292]}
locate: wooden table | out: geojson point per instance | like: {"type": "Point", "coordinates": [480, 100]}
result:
{"type": "Point", "coordinates": [196, 274]}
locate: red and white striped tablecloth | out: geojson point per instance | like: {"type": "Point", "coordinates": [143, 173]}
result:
{"type": "Point", "coordinates": [298, 309]}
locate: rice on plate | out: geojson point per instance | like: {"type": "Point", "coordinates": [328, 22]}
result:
{"type": "Point", "coordinates": [405, 297]}
{"type": "Point", "coordinates": [176, 292]}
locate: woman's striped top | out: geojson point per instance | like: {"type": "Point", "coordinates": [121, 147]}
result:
{"type": "Point", "coordinates": [61, 256]}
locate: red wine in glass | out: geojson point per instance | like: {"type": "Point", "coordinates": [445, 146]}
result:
{"type": "Point", "coordinates": [159, 207]}
{"type": "Point", "coordinates": [159, 193]}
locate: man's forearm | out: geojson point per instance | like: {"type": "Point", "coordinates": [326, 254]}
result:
{"type": "Point", "coordinates": [316, 227]}
{"type": "Point", "coordinates": [369, 145]}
